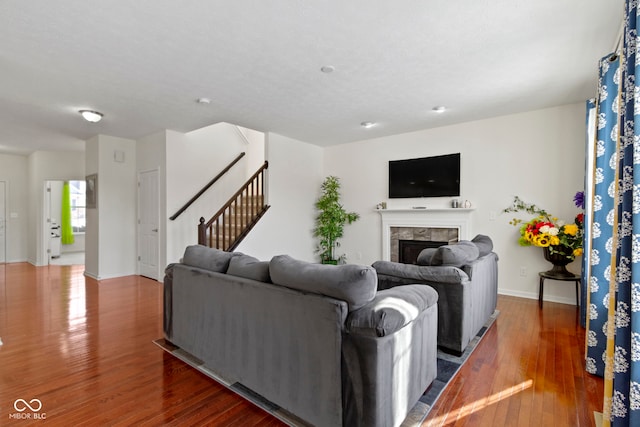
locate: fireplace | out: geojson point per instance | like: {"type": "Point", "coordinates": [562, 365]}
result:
{"type": "Point", "coordinates": [410, 249]}
{"type": "Point", "coordinates": [442, 225]}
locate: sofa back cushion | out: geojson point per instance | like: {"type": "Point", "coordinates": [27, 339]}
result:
{"type": "Point", "coordinates": [425, 256]}
{"type": "Point", "coordinates": [355, 284]}
{"type": "Point", "coordinates": [484, 244]}
{"type": "Point", "coordinates": [457, 254]}
{"type": "Point", "coordinates": [250, 268]}
{"type": "Point", "coordinates": [208, 258]}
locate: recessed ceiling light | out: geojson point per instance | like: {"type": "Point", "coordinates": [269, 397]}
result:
{"type": "Point", "coordinates": [367, 125]}
{"type": "Point", "coordinates": [439, 109]}
{"type": "Point", "coordinates": [327, 69]}
{"type": "Point", "coordinates": [203, 101]}
{"type": "Point", "coordinates": [91, 116]}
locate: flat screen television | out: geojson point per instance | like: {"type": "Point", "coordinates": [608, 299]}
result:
{"type": "Point", "coordinates": [436, 176]}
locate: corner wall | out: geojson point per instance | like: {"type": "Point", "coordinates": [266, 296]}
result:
{"type": "Point", "coordinates": [538, 155]}
{"type": "Point", "coordinates": [110, 249]}
{"type": "Point", "coordinates": [294, 178]}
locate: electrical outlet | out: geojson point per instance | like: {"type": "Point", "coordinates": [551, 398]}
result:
{"type": "Point", "coordinates": [523, 271]}
{"type": "Point", "coordinates": [359, 255]}
{"type": "Point", "coordinates": [492, 215]}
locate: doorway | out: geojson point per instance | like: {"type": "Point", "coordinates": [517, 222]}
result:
{"type": "Point", "coordinates": [57, 250]}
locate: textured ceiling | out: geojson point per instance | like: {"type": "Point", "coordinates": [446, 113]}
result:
{"type": "Point", "coordinates": [144, 63]}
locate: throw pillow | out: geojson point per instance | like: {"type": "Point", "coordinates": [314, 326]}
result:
{"type": "Point", "coordinates": [250, 268]}
{"type": "Point", "coordinates": [355, 284]}
{"type": "Point", "coordinates": [457, 255]}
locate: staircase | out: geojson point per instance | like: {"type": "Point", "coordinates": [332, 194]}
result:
{"type": "Point", "coordinates": [231, 224]}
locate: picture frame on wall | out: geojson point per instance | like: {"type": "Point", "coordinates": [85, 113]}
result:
{"type": "Point", "coordinates": [92, 191]}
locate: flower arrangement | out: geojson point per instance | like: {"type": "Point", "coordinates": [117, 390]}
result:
{"type": "Point", "coordinates": [546, 231]}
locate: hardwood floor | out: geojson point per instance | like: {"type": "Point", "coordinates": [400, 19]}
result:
{"type": "Point", "coordinates": [84, 350]}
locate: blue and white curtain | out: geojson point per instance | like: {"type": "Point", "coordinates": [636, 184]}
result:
{"type": "Point", "coordinates": [600, 212]}
{"type": "Point", "coordinates": [613, 315]}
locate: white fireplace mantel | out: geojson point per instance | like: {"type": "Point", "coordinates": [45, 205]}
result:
{"type": "Point", "coordinates": [459, 218]}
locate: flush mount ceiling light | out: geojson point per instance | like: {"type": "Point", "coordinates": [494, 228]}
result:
{"type": "Point", "coordinates": [91, 116]}
{"type": "Point", "coordinates": [327, 69]}
{"type": "Point", "coordinates": [367, 125]}
{"type": "Point", "coordinates": [439, 109]}
{"type": "Point", "coordinates": [203, 101]}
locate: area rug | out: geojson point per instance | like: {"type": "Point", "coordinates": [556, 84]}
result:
{"type": "Point", "coordinates": [448, 366]}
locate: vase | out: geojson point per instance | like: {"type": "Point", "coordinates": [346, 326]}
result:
{"type": "Point", "coordinates": [559, 260]}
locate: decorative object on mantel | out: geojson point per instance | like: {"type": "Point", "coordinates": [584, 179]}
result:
{"type": "Point", "coordinates": [331, 220]}
{"type": "Point", "coordinates": [561, 242]}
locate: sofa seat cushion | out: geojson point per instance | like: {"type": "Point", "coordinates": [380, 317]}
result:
{"type": "Point", "coordinates": [391, 310]}
{"type": "Point", "coordinates": [250, 268]}
{"type": "Point", "coordinates": [208, 258]}
{"type": "Point", "coordinates": [355, 284]}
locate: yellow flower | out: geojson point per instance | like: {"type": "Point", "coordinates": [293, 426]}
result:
{"type": "Point", "coordinates": [577, 252]}
{"type": "Point", "coordinates": [542, 240]}
{"type": "Point", "coordinates": [571, 229]}
{"type": "Point", "coordinates": [554, 240]}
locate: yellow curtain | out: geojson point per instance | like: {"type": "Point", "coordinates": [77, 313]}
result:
{"type": "Point", "coordinates": [65, 227]}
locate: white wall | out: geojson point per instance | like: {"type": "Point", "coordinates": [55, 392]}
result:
{"type": "Point", "coordinates": [537, 155]}
{"type": "Point", "coordinates": [294, 178]}
{"type": "Point", "coordinates": [13, 170]}
{"type": "Point", "coordinates": [113, 222]}
{"type": "Point", "coordinates": [47, 166]}
{"type": "Point", "coordinates": [194, 159]}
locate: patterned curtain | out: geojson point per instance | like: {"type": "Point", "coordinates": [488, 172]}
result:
{"type": "Point", "coordinates": [588, 206]}
{"type": "Point", "coordinates": [600, 213]}
{"type": "Point", "coordinates": [613, 321]}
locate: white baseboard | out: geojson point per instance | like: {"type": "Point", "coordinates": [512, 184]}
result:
{"type": "Point", "coordinates": [534, 295]}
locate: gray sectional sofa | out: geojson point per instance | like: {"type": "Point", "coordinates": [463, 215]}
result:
{"type": "Point", "coordinates": [320, 341]}
{"type": "Point", "coordinates": [465, 275]}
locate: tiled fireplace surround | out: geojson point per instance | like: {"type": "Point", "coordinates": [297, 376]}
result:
{"type": "Point", "coordinates": [428, 234]}
{"type": "Point", "coordinates": [437, 225]}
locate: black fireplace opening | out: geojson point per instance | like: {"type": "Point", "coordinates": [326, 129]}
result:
{"type": "Point", "coordinates": [410, 249]}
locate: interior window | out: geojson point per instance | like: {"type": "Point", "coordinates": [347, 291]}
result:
{"type": "Point", "coordinates": [77, 190]}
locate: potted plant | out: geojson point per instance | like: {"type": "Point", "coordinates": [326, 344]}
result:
{"type": "Point", "coordinates": [331, 220]}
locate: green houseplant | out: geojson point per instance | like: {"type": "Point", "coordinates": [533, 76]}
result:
{"type": "Point", "coordinates": [331, 220]}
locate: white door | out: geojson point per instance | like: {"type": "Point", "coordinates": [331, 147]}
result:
{"type": "Point", "coordinates": [148, 224]}
{"type": "Point", "coordinates": [3, 222]}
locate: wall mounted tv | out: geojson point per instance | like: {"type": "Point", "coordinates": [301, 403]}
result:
{"type": "Point", "coordinates": [436, 176]}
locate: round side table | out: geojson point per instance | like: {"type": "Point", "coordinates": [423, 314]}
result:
{"type": "Point", "coordinates": [562, 277]}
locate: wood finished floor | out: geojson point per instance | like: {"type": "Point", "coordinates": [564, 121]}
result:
{"type": "Point", "coordinates": [85, 350]}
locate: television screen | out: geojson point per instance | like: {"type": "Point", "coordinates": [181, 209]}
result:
{"type": "Point", "coordinates": [436, 176]}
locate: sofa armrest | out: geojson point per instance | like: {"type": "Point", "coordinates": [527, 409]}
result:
{"type": "Point", "coordinates": [391, 310]}
{"type": "Point", "coordinates": [437, 274]}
